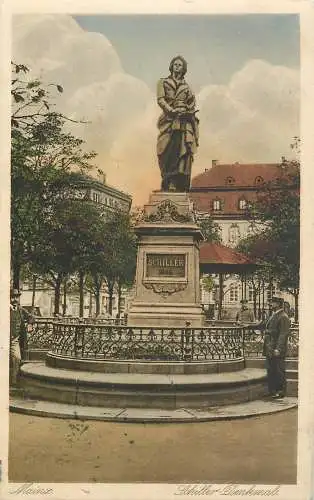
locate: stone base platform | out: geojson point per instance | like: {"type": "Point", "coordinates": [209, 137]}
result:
{"type": "Point", "coordinates": [141, 415]}
{"type": "Point", "coordinates": [165, 315]}
{"type": "Point", "coordinates": [133, 390]}
{"type": "Point", "coordinates": [167, 290]}
{"type": "Point", "coordinates": [145, 367]}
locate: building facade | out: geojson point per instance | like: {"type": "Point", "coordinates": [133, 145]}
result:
{"type": "Point", "coordinates": [224, 192]}
{"type": "Point", "coordinates": [101, 193]}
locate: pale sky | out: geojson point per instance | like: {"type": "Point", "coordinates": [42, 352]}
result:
{"type": "Point", "coordinates": [244, 70]}
{"type": "Point", "coordinates": [215, 46]}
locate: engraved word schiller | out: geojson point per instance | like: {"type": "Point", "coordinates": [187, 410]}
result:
{"type": "Point", "coordinates": [165, 265]}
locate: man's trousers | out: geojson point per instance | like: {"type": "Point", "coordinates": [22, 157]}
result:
{"type": "Point", "coordinates": [276, 374]}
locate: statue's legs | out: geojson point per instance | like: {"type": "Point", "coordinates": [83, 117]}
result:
{"type": "Point", "coordinates": [175, 164]}
{"type": "Point", "coordinates": [168, 162]}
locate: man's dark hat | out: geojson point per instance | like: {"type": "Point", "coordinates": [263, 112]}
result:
{"type": "Point", "coordinates": [278, 300]}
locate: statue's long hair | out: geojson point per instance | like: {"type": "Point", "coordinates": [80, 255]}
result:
{"type": "Point", "coordinates": [185, 64]}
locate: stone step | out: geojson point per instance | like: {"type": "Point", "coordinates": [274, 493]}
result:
{"type": "Point", "coordinates": [292, 388]}
{"type": "Point", "coordinates": [37, 354]}
{"type": "Point", "coordinates": [292, 374]}
{"type": "Point", "coordinates": [138, 390]}
{"type": "Point", "coordinates": [16, 392]}
{"type": "Point", "coordinates": [150, 415]}
{"type": "Point", "coordinates": [144, 367]}
{"type": "Point", "coordinates": [259, 362]}
{"type": "Point", "coordinates": [143, 381]}
{"type": "Point", "coordinates": [292, 364]}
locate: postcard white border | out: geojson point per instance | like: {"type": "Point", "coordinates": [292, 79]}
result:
{"type": "Point", "coordinates": [305, 487]}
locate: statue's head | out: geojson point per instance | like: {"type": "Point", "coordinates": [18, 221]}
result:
{"type": "Point", "coordinates": [183, 61]}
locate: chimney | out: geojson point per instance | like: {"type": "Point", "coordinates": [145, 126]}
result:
{"type": "Point", "coordinates": [214, 163]}
{"type": "Point", "coordinates": [101, 176]}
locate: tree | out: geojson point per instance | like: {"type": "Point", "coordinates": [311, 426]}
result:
{"type": "Point", "coordinates": [208, 283]}
{"type": "Point", "coordinates": [120, 252]}
{"type": "Point", "coordinates": [116, 259]}
{"type": "Point", "coordinates": [210, 230]}
{"type": "Point", "coordinates": [42, 159]}
{"type": "Point", "coordinates": [127, 267]}
{"type": "Point", "coordinates": [276, 215]}
{"type": "Point", "coordinates": [85, 226]}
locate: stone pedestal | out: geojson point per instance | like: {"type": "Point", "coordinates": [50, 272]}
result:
{"type": "Point", "coordinates": [167, 287]}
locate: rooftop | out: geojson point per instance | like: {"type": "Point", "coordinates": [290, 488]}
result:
{"type": "Point", "coordinates": [213, 253]}
{"type": "Point", "coordinates": [236, 174]}
{"type": "Point", "coordinates": [101, 185]}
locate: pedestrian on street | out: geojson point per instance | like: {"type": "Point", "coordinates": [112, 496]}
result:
{"type": "Point", "coordinates": [17, 336]}
{"type": "Point", "coordinates": [245, 315]}
{"type": "Point", "coordinates": [275, 348]}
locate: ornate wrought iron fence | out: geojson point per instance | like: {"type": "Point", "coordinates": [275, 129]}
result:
{"type": "Point", "coordinates": [39, 332]}
{"type": "Point", "coordinates": [254, 341]}
{"type": "Point", "coordinates": [39, 335]}
{"type": "Point", "coordinates": [97, 320]}
{"type": "Point", "coordinates": [91, 340]}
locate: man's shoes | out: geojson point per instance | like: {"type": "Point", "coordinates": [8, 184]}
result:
{"type": "Point", "coordinates": [278, 395]}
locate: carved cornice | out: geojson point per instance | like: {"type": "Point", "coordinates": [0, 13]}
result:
{"type": "Point", "coordinates": [165, 289]}
{"type": "Point", "coordinates": [168, 212]}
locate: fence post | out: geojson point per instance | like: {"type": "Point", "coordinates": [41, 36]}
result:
{"type": "Point", "coordinates": [187, 347]}
{"type": "Point", "coordinates": [79, 338]}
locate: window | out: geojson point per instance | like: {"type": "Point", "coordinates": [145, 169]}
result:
{"type": "Point", "coordinates": [75, 308]}
{"type": "Point", "coordinates": [251, 294]}
{"type": "Point", "coordinates": [217, 205]}
{"type": "Point", "coordinates": [250, 229]}
{"type": "Point", "coordinates": [96, 197]}
{"type": "Point", "coordinates": [259, 180]}
{"type": "Point", "coordinates": [234, 233]}
{"type": "Point", "coordinates": [270, 293]}
{"type": "Point", "coordinates": [230, 181]}
{"type": "Point", "coordinates": [242, 204]}
{"type": "Point", "coordinates": [234, 293]}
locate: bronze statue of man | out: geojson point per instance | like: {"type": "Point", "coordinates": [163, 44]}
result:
{"type": "Point", "coordinates": [178, 128]}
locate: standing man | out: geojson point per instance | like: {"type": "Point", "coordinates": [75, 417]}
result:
{"type": "Point", "coordinates": [17, 336]}
{"type": "Point", "coordinates": [245, 315]}
{"type": "Point", "coordinates": [275, 348]}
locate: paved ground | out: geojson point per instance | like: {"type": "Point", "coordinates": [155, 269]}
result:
{"type": "Point", "coordinates": [240, 451]}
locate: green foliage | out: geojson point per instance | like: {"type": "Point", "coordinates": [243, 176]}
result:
{"type": "Point", "coordinates": [30, 99]}
{"type": "Point", "coordinates": [43, 158]}
{"type": "Point", "coordinates": [115, 262]}
{"type": "Point", "coordinates": [208, 283]}
{"type": "Point", "coordinates": [210, 230]}
{"type": "Point", "coordinates": [56, 234]}
{"type": "Point", "coordinates": [276, 214]}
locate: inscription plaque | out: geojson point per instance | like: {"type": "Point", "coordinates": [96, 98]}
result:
{"type": "Point", "coordinates": [165, 265]}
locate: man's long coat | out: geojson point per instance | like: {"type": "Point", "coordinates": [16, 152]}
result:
{"type": "Point", "coordinates": [276, 334]}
